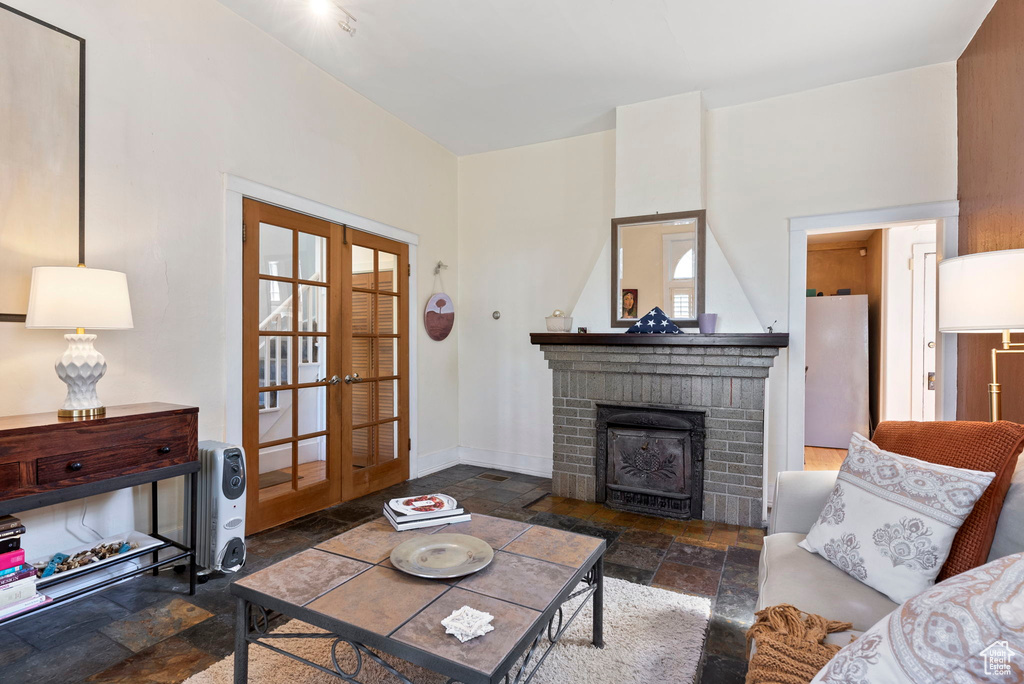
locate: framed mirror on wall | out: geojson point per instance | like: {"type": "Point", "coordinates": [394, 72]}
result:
{"type": "Point", "coordinates": [42, 153]}
{"type": "Point", "coordinates": [658, 260]}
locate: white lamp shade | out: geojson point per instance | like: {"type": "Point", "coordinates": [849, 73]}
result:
{"type": "Point", "coordinates": [982, 293]}
{"type": "Point", "coordinates": [66, 297]}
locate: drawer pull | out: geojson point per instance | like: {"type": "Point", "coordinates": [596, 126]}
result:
{"type": "Point", "coordinates": [75, 465]}
{"type": "Point", "coordinates": [165, 450]}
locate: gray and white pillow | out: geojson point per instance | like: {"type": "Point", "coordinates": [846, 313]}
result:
{"type": "Point", "coordinates": [891, 519]}
{"type": "Point", "coordinates": [968, 628]}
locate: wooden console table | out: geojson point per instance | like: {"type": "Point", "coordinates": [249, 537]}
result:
{"type": "Point", "coordinates": [46, 460]}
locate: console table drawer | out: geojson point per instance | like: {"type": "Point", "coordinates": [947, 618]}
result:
{"type": "Point", "coordinates": [120, 460]}
{"type": "Point", "coordinates": [42, 453]}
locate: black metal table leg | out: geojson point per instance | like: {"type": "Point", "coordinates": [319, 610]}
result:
{"type": "Point", "coordinates": [242, 642]}
{"type": "Point", "coordinates": [599, 603]}
{"type": "Point", "coordinates": [154, 502]}
{"type": "Point", "coordinates": [193, 514]}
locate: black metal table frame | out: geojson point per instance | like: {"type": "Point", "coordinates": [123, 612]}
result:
{"type": "Point", "coordinates": [255, 609]}
{"type": "Point", "coordinates": [76, 492]}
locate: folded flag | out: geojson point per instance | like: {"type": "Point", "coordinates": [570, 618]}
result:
{"type": "Point", "coordinates": [655, 322]}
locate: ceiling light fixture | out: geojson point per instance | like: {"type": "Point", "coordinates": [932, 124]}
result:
{"type": "Point", "coordinates": [323, 8]}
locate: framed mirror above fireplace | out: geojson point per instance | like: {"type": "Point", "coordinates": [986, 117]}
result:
{"type": "Point", "coordinates": [658, 260]}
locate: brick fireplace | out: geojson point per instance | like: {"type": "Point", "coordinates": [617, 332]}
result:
{"type": "Point", "coordinates": [720, 377]}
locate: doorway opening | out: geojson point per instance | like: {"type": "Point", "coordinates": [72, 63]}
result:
{"type": "Point", "coordinates": [871, 333]}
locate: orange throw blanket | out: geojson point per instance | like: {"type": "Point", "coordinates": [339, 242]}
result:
{"type": "Point", "coordinates": [790, 645]}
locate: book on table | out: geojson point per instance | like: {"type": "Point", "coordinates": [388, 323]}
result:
{"type": "Point", "coordinates": [429, 510]}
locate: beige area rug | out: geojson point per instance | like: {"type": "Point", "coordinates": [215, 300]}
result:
{"type": "Point", "coordinates": [651, 636]}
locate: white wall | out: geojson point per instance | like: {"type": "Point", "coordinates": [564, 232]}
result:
{"type": "Point", "coordinates": [178, 94]}
{"type": "Point", "coordinates": [532, 221]}
{"type": "Point", "coordinates": [877, 142]}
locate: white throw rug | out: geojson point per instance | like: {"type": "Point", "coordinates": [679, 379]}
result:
{"type": "Point", "coordinates": [651, 636]}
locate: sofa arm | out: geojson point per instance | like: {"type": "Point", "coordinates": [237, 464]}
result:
{"type": "Point", "coordinates": [799, 497]}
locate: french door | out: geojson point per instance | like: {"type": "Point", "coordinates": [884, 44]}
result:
{"type": "Point", "coordinates": [321, 302]}
{"type": "Point", "coordinates": [376, 384]}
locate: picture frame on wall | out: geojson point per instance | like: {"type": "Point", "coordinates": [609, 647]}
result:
{"type": "Point", "coordinates": [42, 168]}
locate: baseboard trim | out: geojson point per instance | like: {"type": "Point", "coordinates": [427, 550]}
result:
{"type": "Point", "coordinates": [438, 460]}
{"type": "Point", "coordinates": [504, 460]}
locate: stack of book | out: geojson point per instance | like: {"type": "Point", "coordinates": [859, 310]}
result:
{"type": "Point", "coordinates": [423, 511]}
{"type": "Point", "coordinates": [17, 578]}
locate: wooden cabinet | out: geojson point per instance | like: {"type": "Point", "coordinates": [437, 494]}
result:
{"type": "Point", "coordinates": [41, 452]}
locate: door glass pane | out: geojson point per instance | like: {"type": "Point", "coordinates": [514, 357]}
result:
{"type": "Point", "coordinates": [275, 305]}
{"type": "Point", "coordinates": [275, 251]}
{"type": "Point", "coordinates": [387, 442]}
{"type": "Point", "coordinates": [362, 268]}
{"type": "Point", "coordinates": [274, 360]}
{"type": "Point", "coordinates": [312, 257]}
{"type": "Point", "coordinates": [362, 455]}
{"type": "Point", "coordinates": [362, 402]}
{"type": "Point", "coordinates": [362, 356]}
{"type": "Point", "coordinates": [387, 315]}
{"type": "Point", "coordinates": [312, 461]}
{"type": "Point", "coordinates": [312, 359]}
{"type": "Point", "coordinates": [275, 476]}
{"type": "Point", "coordinates": [312, 308]}
{"type": "Point", "coordinates": [387, 398]}
{"type": "Point", "coordinates": [362, 313]}
{"type": "Point", "coordinates": [312, 411]}
{"type": "Point", "coordinates": [387, 358]}
{"type": "Point", "coordinates": [387, 265]}
{"type": "Point", "coordinates": [276, 423]}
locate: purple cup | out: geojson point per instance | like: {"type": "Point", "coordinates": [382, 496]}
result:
{"type": "Point", "coordinates": [707, 323]}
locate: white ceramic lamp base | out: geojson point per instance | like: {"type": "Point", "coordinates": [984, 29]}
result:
{"type": "Point", "coordinates": [81, 367]}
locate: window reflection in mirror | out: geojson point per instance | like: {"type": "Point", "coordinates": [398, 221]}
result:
{"type": "Point", "coordinates": [658, 261]}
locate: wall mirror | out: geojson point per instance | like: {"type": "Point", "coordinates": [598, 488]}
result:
{"type": "Point", "coordinates": [658, 260]}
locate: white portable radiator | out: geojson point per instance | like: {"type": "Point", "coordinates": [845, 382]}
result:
{"type": "Point", "coordinates": [220, 525]}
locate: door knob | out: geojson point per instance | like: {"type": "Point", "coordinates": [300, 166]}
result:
{"type": "Point", "coordinates": [334, 380]}
{"type": "Point", "coordinates": [349, 379]}
{"type": "Point", "coordinates": [931, 345]}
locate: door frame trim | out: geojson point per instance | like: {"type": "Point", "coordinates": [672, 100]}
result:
{"type": "Point", "coordinates": [236, 189]}
{"type": "Point", "coordinates": [946, 215]}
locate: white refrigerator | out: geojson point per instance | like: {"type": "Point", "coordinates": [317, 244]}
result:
{"type": "Point", "coordinates": [836, 396]}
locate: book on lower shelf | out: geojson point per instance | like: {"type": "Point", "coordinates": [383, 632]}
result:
{"type": "Point", "coordinates": [12, 559]}
{"type": "Point", "coordinates": [16, 574]}
{"type": "Point", "coordinates": [16, 592]}
{"type": "Point", "coordinates": [23, 606]}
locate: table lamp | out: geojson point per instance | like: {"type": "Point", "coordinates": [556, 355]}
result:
{"type": "Point", "coordinates": [984, 293]}
{"type": "Point", "coordinates": [63, 297]}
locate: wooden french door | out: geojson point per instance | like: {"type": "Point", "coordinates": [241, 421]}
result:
{"type": "Point", "coordinates": [375, 342]}
{"type": "Point", "coordinates": [320, 302]}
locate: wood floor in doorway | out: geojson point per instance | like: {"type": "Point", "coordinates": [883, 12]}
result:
{"type": "Point", "coordinates": [823, 458]}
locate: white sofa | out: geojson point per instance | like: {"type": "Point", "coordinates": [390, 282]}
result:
{"type": "Point", "coordinates": [789, 574]}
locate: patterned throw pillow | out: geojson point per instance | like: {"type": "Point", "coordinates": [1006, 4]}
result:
{"type": "Point", "coordinates": [891, 519]}
{"type": "Point", "coordinates": [968, 628]}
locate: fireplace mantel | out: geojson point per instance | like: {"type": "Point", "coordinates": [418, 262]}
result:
{"type": "Point", "coordinates": [684, 340]}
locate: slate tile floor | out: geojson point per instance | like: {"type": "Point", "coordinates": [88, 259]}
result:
{"type": "Point", "coordinates": [149, 630]}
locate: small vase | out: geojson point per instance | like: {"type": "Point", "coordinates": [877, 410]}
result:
{"type": "Point", "coordinates": [707, 323]}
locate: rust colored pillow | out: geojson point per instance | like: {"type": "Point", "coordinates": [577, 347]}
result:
{"type": "Point", "coordinates": [991, 447]}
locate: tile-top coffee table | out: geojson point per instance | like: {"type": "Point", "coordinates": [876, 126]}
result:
{"type": "Point", "coordinates": [348, 587]}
